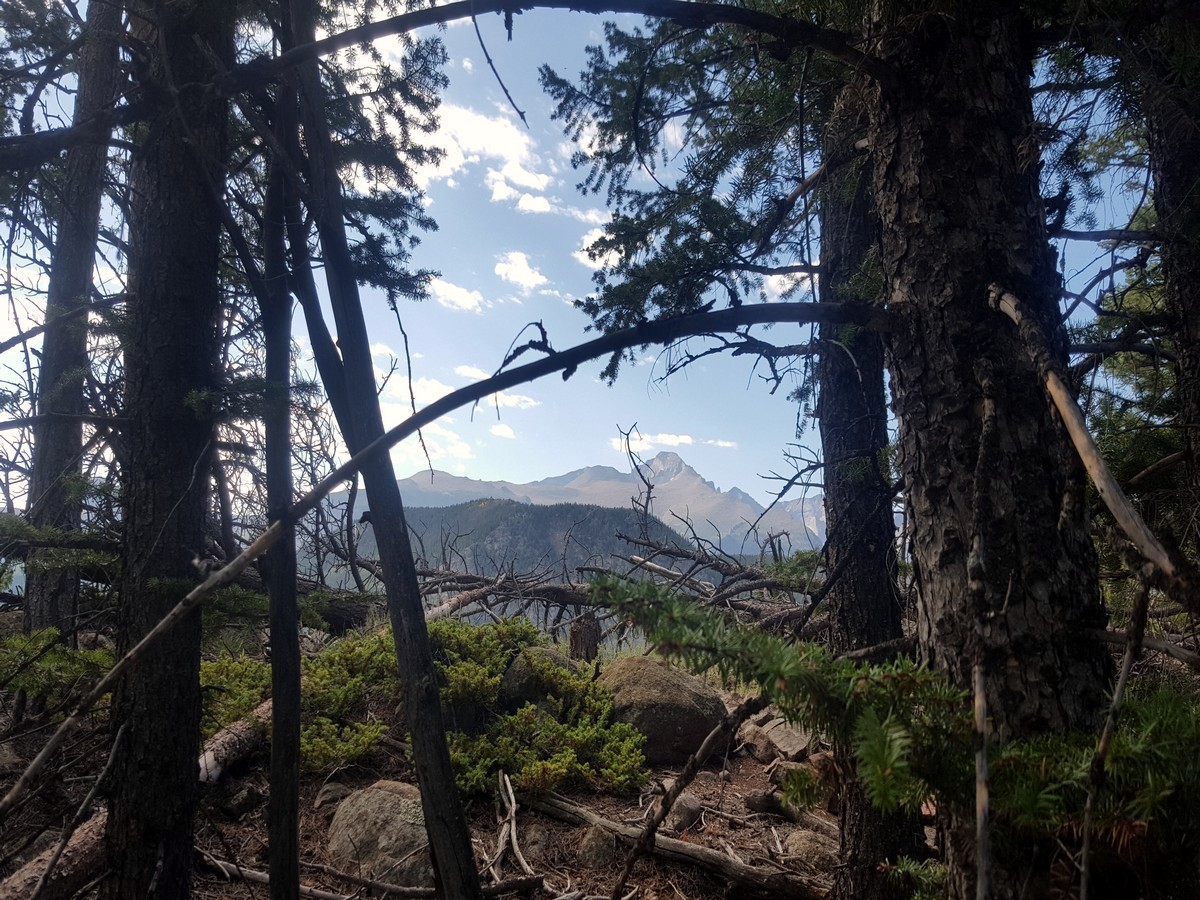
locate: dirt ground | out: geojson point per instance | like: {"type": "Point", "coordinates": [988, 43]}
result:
{"type": "Point", "coordinates": [226, 832]}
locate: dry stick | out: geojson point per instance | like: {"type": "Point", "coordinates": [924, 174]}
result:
{"type": "Point", "coordinates": [81, 815]}
{"type": "Point", "coordinates": [510, 885]}
{"type": "Point", "coordinates": [1110, 491]}
{"type": "Point", "coordinates": [977, 588]}
{"type": "Point", "coordinates": [567, 361]}
{"type": "Point", "coordinates": [1189, 658]}
{"type": "Point", "coordinates": [1096, 777]}
{"type": "Point", "coordinates": [722, 732]}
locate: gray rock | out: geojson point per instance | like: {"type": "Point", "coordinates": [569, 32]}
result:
{"type": "Point", "coordinates": [597, 849]}
{"type": "Point", "coordinates": [522, 682]}
{"type": "Point", "coordinates": [816, 850]}
{"type": "Point", "coordinates": [331, 793]}
{"type": "Point", "coordinates": [379, 832]}
{"type": "Point", "coordinates": [775, 739]}
{"type": "Point", "coordinates": [535, 841]}
{"type": "Point", "coordinates": [685, 812]}
{"type": "Point", "coordinates": [675, 710]}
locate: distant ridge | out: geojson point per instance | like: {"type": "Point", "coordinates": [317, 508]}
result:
{"type": "Point", "coordinates": [680, 495]}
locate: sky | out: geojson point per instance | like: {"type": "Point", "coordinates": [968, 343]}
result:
{"type": "Point", "coordinates": [509, 248]}
{"type": "Point", "coordinates": [512, 227]}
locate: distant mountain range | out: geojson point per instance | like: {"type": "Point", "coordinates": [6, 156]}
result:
{"type": "Point", "coordinates": [490, 536]}
{"type": "Point", "coordinates": [681, 495]}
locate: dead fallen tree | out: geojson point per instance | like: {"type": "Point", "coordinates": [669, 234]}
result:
{"type": "Point", "coordinates": [775, 882]}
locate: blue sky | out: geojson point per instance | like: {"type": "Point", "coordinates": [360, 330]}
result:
{"type": "Point", "coordinates": [512, 228]}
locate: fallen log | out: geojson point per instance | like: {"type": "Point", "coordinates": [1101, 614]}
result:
{"type": "Point", "coordinates": [83, 856]}
{"type": "Point", "coordinates": [79, 863]}
{"type": "Point", "coordinates": [234, 742]}
{"type": "Point", "coordinates": [774, 882]}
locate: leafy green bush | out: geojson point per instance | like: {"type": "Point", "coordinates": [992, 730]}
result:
{"type": "Point", "coordinates": [569, 741]}
{"type": "Point", "coordinates": [41, 666]}
{"type": "Point", "coordinates": [233, 686]}
{"type": "Point", "coordinates": [325, 745]}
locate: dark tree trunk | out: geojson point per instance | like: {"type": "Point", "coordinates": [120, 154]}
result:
{"type": "Point", "coordinates": [1171, 99]}
{"type": "Point", "coordinates": [361, 421]}
{"type": "Point", "coordinates": [51, 597]}
{"type": "Point", "coordinates": [852, 413]}
{"type": "Point", "coordinates": [1005, 568]}
{"type": "Point", "coordinates": [170, 404]}
{"type": "Point", "coordinates": [283, 815]}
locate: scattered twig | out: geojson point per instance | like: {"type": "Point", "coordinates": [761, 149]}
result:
{"type": "Point", "coordinates": [724, 730]}
{"type": "Point", "coordinates": [81, 815]}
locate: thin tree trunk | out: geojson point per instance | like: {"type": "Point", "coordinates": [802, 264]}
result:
{"type": "Point", "coordinates": [171, 384]}
{"type": "Point", "coordinates": [445, 821]}
{"type": "Point", "coordinates": [1171, 100]}
{"type": "Point", "coordinates": [283, 814]}
{"type": "Point", "coordinates": [1002, 555]}
{"type": "Point", "coordinates": [852, 413]}
{"type": "Point", "coordinates": [51, 597]}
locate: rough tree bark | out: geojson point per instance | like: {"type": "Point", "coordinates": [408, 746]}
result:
{"type": "Point", "coordinates": [852, 414]}
{"type": "Point", "coordinates": [1171, 100]}
{"type": "Point", "coordinates": [283, 815]}
{"type": "Point", "coordinates": [51, 597]}
{"type": "Point", "coordinates": [170, 404]}
{"type": "Point", "coordinates": [1005, 568]}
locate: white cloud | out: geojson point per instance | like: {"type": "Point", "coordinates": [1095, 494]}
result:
{"type": "Point", "coordinates": [502, 430]}
{"type": "Point", "coordinates": [506, 400]}
{"type": "Point", "coordinates": [467, 65]}
{"type": "Point", "coordinates": [381, 349]}
{"type": "Point", "coordinates": [514, 267]}
{"type": "Point", "coordinates": [469, 137]}
{"type": "Point", "coordinates": [643, 443]}
{"type": "Point", "coordinates": [581, 255]}
{"type": "Point", "coordinates": [724, 445]}
{"type": "Point", "coordinates": [472, 372]}
{"type": "Point", "coordinates": [426, 391]}
{"type": "Point", "coordinates": [530, 203]}
{"type": "Point", "coordinates": [444, 446]}
{"type": "Point", "coordinates": [452, 296]}
{"type": "Point", "coordinates": [776, 286]}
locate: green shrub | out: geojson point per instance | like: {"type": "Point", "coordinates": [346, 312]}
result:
{"type": "Point", "coordinates": [232, 686]}
{"type": "Point", "coordinates": [325, 745]}
{"type": "Point", "coordinates": [41, 666]}
{"type": "Point", "coordinates": [567, 742]}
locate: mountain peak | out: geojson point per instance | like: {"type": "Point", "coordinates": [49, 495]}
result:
{"type": "Point", "coordinates": [667, 464]}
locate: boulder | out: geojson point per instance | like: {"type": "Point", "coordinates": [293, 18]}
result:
{"type": "Point", "coordinates": [674, 710]}
{"type": "Point", "coordinates": [379, 832]}
{"type": "Point", "coordinates": [809, 847]}
{"type": "Point", "coordinates": [597, 849]}
{"type": "Point", "coordinates": [773, 738]}
{"type": "Point", "coordinates": [684, 813]}
{"type": "Point", "coordinates": [522, 682]}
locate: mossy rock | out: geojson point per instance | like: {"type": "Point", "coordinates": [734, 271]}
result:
{"type": "Point", "coordinates": [674, 710]}
{"type": "Point", "coordinates": [525, 680]}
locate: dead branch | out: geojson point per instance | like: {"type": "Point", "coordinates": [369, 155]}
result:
{"type": "Point", "coordinates": [1179, 581]}
{"type": "Point", "coordinates": [724, 730]}
{"type": "Point", "coordinates": [775, 883]}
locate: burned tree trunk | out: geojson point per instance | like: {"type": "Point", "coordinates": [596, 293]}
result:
{"type": "Point", "coordinates": [54, 484]}
{"type": "Point", "coordinates": [852, 413]}
{"type": "Point", "coordinates": [1001, 550]}
{"type": "Point", "coordinates": [171, 393]}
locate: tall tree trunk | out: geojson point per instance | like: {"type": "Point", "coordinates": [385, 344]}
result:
{"type": "Point", "coordinates": [361, 422]}
{"type": "Point", "coordinates": [1171, 100]}
{"type": "Point", "coordinates": [171, 386]}
{"type": "Point", "coordinates": [852, 413]}
{"type": "Point", "coordinates": [54, 485]}
{"type": "Point", "coordinates": [1005, 568]}
{"type": "Point", "coordinates": [283, 815]}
